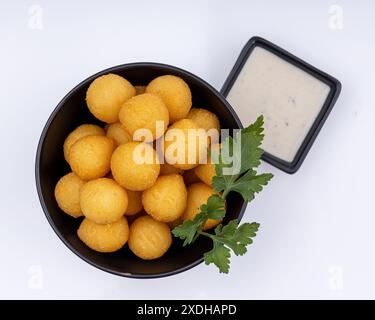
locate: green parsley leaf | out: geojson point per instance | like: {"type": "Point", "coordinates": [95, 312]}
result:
{"type": "Point", "coordinates": [219, 256]}
{"type": "Point", "coordinates": [214, 209]}
{"type": "Point", "coordinates": [223, 159]}
{"type": "Point", "coordinates": [232, 237]}
{"type": "Point", "coordinates": [238, 237]}
{"type": "Point", "coordinates": [187, 231]}
{"type": "Point", "coordinates": [250, 149]}
{"type": "Point", "coordinates": [246, 154]}
{"type": "Point", "coordinates": [250, 183]}
{"type": "Point", "coordinates": [256, 127]}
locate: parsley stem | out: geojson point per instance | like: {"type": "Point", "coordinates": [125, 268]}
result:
{"type": "Point", "coordinates": [209, 235]}
{"type": "Point", "coordinates": [212, 236]}
{"type": "Point", "coordinates": [205, 234]}
{"type": "Point", "coordinates": [227, 190]}
{"type": "Point", "coordinates": [224, 194]}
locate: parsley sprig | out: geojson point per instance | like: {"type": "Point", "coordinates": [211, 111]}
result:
{"type": "Point", "coordinates": [245, 158]}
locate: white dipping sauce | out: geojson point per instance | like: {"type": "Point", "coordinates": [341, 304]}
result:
{"type": "Point", "coordinates": [288, 97]}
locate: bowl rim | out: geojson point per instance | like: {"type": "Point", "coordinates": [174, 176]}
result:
{"type": "Point", "coordinates": [40, 146]}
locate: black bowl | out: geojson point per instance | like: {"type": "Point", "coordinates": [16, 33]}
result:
{"type": "Point", "coordinates": [50, 167]}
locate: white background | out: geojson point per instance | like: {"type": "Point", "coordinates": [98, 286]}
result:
{"type": "Point", "coordinates": [317, 226]}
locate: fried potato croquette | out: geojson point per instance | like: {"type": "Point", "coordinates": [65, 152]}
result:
{"type": "Point", "coordinates": [67, 192]}
{"type": "Point", "coordinates": [134, 203]}
{"type": "Point", "coordinates": [104, 237]}
{"type": "Point", "coordinates": [208, 121]}
{"type": "Point", "coordinates": [135, 166]}
{"type": "Point", "coordinates": [185, 144]}
{"type": "Point", "coordinates": [117, 132]}
{"type": "Point", "coordinates": [90, 157]}
{"type": "Point", "coordinates": [198, 193]}
{"type": "Point", "coordinates": [205, 172]}
{"type": "Point", "coordinates": [204, 119]}
{"type": "Point", "coordinates": [166, 168]}
{"type": "Point", "coordinates": [165, 201]}
{"type": "Point", "coordinates": [145, 111]}
{"type": "Point", "coordinates": [103, 201]}
{"type": "Point", "coordinates": [175, 93]}
{"type": "Point", "coordinates": [149, 239]}
{"type": "Point", "coordinates": [106, 95]}
{"type": "Point", "coordinates": [140, 89]}
{"type": "Point", "coordinates": [78, 133]}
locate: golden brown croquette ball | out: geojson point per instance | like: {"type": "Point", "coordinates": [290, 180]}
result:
{"type": "Point", "coordinates": [165, 201]}
{"type": "Point", "coordinates": [106, 95]}
{"type": "Point", "coordinates": [104, 237]}
{"type": "Point", "coordinates": [145, 111]}
{"type": "Point", "coordinates": [198, 194]}
{"type": "Point", "coordinates": [67, 194]}
{"type": "Point", "coordinates": [140, 89]}
{"type": "Point", "coordinates": [117, 132]}
{"type": "Point", "coordinates": [190, 177]}
{"type": "Point", "coordinates": [90, 157]}
{"type": "Point", "coordinates": [134, 202]}
{"type": "Point", "coordinates": [206, 171]}
{"type": "Point", "coordinates": [204, 119]}
{"type": "Point", "coordinates": [185, 144]}
{"type": "Point", "coordinates": [175, 93]}
{"type": "Point", "coordinates": [208, 121]}
{"type": "Point", "coordinates": [103, 201]}
{"type": "Point", "coordinates": [78, 133]}
{"type": "Point", "coordinates": [166, 168]}
{"type": "Point", "coordinates": [135, 166]}
{"type": "Point", "coordinates": [149, 239]}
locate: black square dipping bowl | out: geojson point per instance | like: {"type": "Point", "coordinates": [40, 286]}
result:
{"type": "Point", "coordinates": [51, 166]}
{"type": "Point", "coordinates": [334, 92]}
